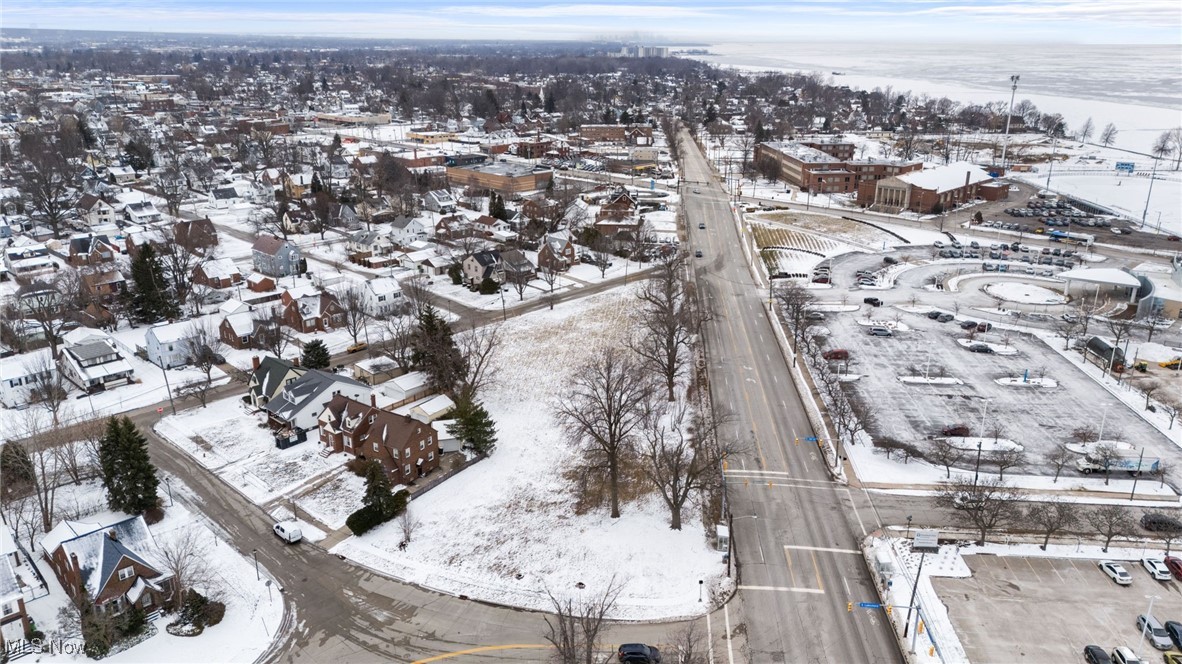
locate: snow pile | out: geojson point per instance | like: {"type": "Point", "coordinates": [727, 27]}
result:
{"type": "Point", "coordinates": [1018, 381]}
{"type": "Point", "coordinates": [504, 529]}
{"type": "Point", "coordinates": [986, 444]}
{"type": "Point", "coordinates": [998, 349]}
{"type": "Point", "coordinates": [930, 380]}
{"type": "Point", "coordinates": [1012, 291]}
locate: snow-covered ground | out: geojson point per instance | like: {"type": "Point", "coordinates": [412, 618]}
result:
{"type": "Point", "coordinates": [252, 614]}
{"type": "Point", "coordinates": [505, 529]}
{"type": "Point", "coordinates": [893, 558]}
{"type": "Point", "coordinates": [1124, 194]}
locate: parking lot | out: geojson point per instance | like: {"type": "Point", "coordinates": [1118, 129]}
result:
{"type": "Point", "coordinates": [1026, 609]}
{"type": "Point", "coordinates": [1039, 418]}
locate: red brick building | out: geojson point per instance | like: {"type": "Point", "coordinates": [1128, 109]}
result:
{"type": "Point", "coordinates": [407, 448]}
{"type": "Point", "coordinates": [817, 171]}
{"type": "Point", "coordinates": [932, 190]}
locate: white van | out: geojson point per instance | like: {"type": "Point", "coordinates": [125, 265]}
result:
{"type": "Point", "coordinates": [288, 532]}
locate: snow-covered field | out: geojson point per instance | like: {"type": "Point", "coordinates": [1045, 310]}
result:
{"type": "Point", "coordinates": [505, 530]}
{"type": "Point", "coordinates": [1124, 194]}
{"type": "Point", "coordinates": [252, 615]}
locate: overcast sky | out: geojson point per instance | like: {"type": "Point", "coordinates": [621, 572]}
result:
{"type": "Point", "coordinates": [1100, 21]}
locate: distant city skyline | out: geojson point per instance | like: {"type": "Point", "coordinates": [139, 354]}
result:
{"type": "Point", "coordinates": [1085, 21]}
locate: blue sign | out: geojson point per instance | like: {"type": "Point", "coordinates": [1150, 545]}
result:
{"type": "Point", "coordinates": [1125, 166]}
{"type": "Point", "coordinates": [811, 439]}
{"type": "Point", "coordinates": [652, 184]}
{"type": "Point", "coordinates": [869, 605]}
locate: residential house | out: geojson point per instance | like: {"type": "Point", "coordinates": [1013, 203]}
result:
{"type": "Point", "coordinates": [268, 377]}
{"type": "Point", "coordinates": [383, 296]}
{"type": "Point", "coordinates": [426, 261]}
{"type": "Point", "coordinates": [104, 287]}
{"type": "Point", "coordinates": [408, 449]}
{"type": "Point", "coordinates": [29, 260]}
{"type": "Point", "coordinates": [115, 566]}
{"type": "Point", "coordinates": [299, 218]}
{"type": "Point", "coordinates": [364, 245]}
{"type": "Point", "coordinates": [94, 211]}
{"type": "Point", "coordinates": [517, 267]}
{"type": "Point", "coordinates": [138, 237]}
{"type": "Point", "coordinates": [483, 265]}
{"type": "Point", "coordinates": [297, 185]}
{"type": "Point", "coordinates": [20, 376]}
{"type": "Point", "coordinates": [260, 283]}
{"type": "Point", "coordinates": [375, 370]}
{"type": "Point", "coordinates": [217, 273]}
{"type": "Point", "coordinates": [298, 404]}
{"type": "Point", "coordinates": [93, 361]}
{"type": "Point", "coordinates": [197, 236]}
{"type": "Point", "coordinates": [165, 344]}
{"type": "Point", "coordinates": [223, 198]}
{"type": "Point", "coordinates": [91, 250]}
{"type": "Point", "coordinates": [313, 313]}
{"type": "Point", "coordinates": [406, 388]}
{"type": "Point", "coordinates": [13, 619]}
{"type": "Point", "coordinates": [441, 201]}
{"type": "Point", "coordinates": [142, 213]}
{"type": "Point", "coordinates": [248, 329]}
{"type": "Point", "coordinates": [493, 228]}
{"type": "Point", "coordinates": [276, 258]}
{"type": "Point", "coordinates": [557, 253]}
{"type": "Point", "coordinates": [433, 408]}
{"type": "Point", "coordinates": [406, 230]}
{"type": "Point", "coordinates": [344, 215]}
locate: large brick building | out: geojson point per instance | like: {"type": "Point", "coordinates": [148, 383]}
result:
{"type": "Point", "coordinates": [931, 190]}
{"type": "Point", "coordinates": [502, 177]}
{"type": "Point", "coordinates": [631, 134]}
{"type": "Point", "coordinates": [811, 169]}
{"type": "Point", "coordinates": [407, 448]}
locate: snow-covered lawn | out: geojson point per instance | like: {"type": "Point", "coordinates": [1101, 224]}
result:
{"type": "Point", "coordinates": [332, 502]}
{"type": "Point", "coordinates": [1024, 293]}
{"type": "Point", "coordinates": [505, 530]}
{"type": "Point", "coordinates": [252, 615]}
{"type": "Point", "coordinates": [237, 445]}
{"type": "Point", "coordinates": [1124, 194]}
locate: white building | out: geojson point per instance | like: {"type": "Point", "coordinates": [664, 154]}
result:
{"type": "Point", "coordinates": [165, 344]}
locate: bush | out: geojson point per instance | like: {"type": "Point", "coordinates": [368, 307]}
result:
{"type": "Point", "coordinates": [489, 287]}
{"type": "Point", "coordinates": [456, 273]}
{"type": "Point", "coordinates": [364, 520]}
{"type": "Point", "coordinates": [357, 466]}
{"type": "Point", "coordinates": [133, 621]}
{"type": "Point", "coordinates": [213, 613]}
{"type": "Point", "coordinates": [154, 515]}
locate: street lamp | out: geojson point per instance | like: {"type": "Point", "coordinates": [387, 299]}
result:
{"type": "Point", "coordinates": [1145, 627]}
{"type": "Point", "coordinates": [908, 536]}
{"type": "Point", "coordinates": [700, 582]}
{"type": "Point", "coordinates": [1010, 116]}
{"type": "Point", "coordinates": [257, 576]}
{"type": "Point", "coordinates": [1103, 419]}
{"type": "Point", "coordinates": [168, 485]}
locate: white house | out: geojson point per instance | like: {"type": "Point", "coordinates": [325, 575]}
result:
{"type": "Point", "coordinates": [21, 373]}
{"type": "Point", "coordinates": [441, 201]}
{"type": "Point", "coordinates": [406, 230]}
{"type": "Point", "coordinates": [93, 361]}
{"type": "Point", "coordinates": [405, 388]}
{"type": "Point", "coordinates": [165, 344]}
{"type": "Point", "coordinates": [300, 402]}
{"type": "Point", "coordinates": [384, 295]}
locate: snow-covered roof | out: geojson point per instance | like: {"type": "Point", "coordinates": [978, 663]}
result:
{"type": "Point", "coordinates": [99, 548]}
{"type": "Point", "coordinates": [168, 333]}
{"type": "Point", "coordinates": [1102, 275]}
{"type": "Point", "coordinates": [220, 268]}
{"type": "Point", "coordinates": [946, 178]}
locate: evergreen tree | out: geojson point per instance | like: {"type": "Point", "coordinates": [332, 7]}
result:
{"type": "Point", "coordinates": [434, 351]}
{"type": "Point", "coordinates": [128, 474]}
{"type": "Point", "coordinates": [378, 490]}
{"type": "Point", "coordinates": [474, 426]}
{"type": "Point", "coordinates": [316, 355]}
{"type": "Point", "coordinates": [16, 468]}
{"type": "Point", "coordinates": [139, 155]}
{"type": "Point", "coordinates": [150, 301]}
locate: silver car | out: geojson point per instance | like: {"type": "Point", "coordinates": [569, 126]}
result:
{"type": "Point", "coordinates": [1154, 632]}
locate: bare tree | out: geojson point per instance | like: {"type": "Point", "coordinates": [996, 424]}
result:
{"type": "Point", "coordinates": [179, 262]}
{"type": "Point", "coordinates": [478, 347]}
{"type": "Point", "coordinates": [1109, 522]}
{"type": "Point", "coordinates": [603, 410]}
{"type": "Point", "coordinates": [48, 388]}
{"type": "Point", "coordinates": [416, 293]}
{"type": "Point", "coordinates": [519, 280]}
{"type": "Point", "coordinates": [1163, 145]}
{"type": "Point", "coordinates": [1120, 329]}
{"type": "Point", "coordinates": [985, 504]}
{"type": "Point", "coordinates": [1071, 330]}
{"type": "Point", "coordinates": [601, 252]}
{"type": "Point", "coordinates": [205, 348]}
{"type": "Point", "coordinates": [685, 646]}
{"type": "Point", "coordinates": [1149, 387]}
{"type": "Point", "coordinates": [575, 628]}
{"type": "Point", "coordinates": [794, 301]}
{"type": "Point", "coordinates": [398, 331]}
{"type": "Point", "coordinates": [1105, 454]}
{"type": "Point", "coordinates": [43, 463]}
{"type": "Point", "coordinates": [407, 525]}
{"type": "Point", "coordinates": [669, 320]}
{"type": "Point", "coordinates": [1050, 517]}
{"type": "Point", "coordinates": [269, 332]}
{"type": "Point", "coordinates": [1006, 459]}
{"type": "Point", "coordinates": [21, 514]}
{"type": "Point", "coordinates": [944, 453]}
{"type": "Point", "coordinates": [1058, 458]}
{"type": "Point", "coordinates": [682, 454]}
{"type": "Point", "coordinates": [1085, 131]}
{"type": "Point", "coordinates": [50, 304]}
{"type": "Point", "coordinates": [44, 179]}
{"type": "Point", "coordinates": [549, 276]}
{"type": "Point", "coordinates": [1108, 135]}
{"type": "Point", "coordinates": [358, 311]}
{"type": "Point", "coordinates": [78, 452]}
{"type": "Point", "coordinates": [186, 555]}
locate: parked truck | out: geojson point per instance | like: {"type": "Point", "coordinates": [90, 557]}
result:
{"type": "Point", "coordinates": [1085, 239]}
{"type": "Point", "coordinates": [1133, 464]}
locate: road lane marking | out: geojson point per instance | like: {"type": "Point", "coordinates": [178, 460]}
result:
{"type": "Point", "coordinates": [817, 570]}
{"type": "Point", "coordinates": [730, 651]}
{"type": "Point", "coordinates": [791, 571]}
{"type": "Point", "coordinates": [471, 651]}
{"type": "Point", "coordinates": [856, 514]}
{"type": "Point", "coordinates": [785, 589]}
{"type": "Point", "coordinates": [802, 486]}
{"type": "Point", "coordinates": [824, 549]}
{"type": "Point", "coordinates": [710, 638]}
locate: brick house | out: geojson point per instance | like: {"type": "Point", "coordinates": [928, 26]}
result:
{"type": "Point", "coordinates": [198, 236]}
{"type": "Point", "coordinates": [115, 566]}
{"type": "Point", "coordinates": [313, 313]}
{"type": "Point", "coordinates": [407, 448]}
{"type": "Point", "coordinates": [103, 287]}
{"type": "Point", "coordinates": [260, 283]}
{"type": "Point", "coordinates": [217, 273]}
{"type": "Point", "coordinates": [557, 254]}
{"type": "Point", "coordinates": [91, 250]}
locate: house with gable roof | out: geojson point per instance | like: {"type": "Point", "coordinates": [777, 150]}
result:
{"type": "Point", "coordinates": [268, 377]}
{"type": "Point", "coordinates": [557, 254]}
{"type": "Point", "coordinates": [276, 258]}
{"type": "Point", "coordinates": [299, 403]}
{"type": "Point", "coordinates": [407, 448]}
{"type": "Point", "coordinates": [114, 566]}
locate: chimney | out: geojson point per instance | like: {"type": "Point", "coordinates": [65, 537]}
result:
{"type": "Point", "coordinates": [255, 361]}
{"type": "Point", "coordinates": [373, 400]}
{"type": "Point", "coordinates": [295, 361]}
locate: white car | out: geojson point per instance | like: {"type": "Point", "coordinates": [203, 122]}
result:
{"type": "Point", "coordinates": [1116, 572]}
{"type": "Point", "coordinates": [288, 531]}
{"type": "Point", "coordinates": [1156, 568]}
{"type": "Point", "coordinates": [1123, 655]}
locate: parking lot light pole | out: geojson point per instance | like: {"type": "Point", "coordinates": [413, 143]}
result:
{"type": "Point", "coordinates": [1010, 116]}
{"type": "Point", "coordinates": [911, 604]}
{"type": "Point", "coordinates": [1145, 627]}
{"type": "Point", "coordinates": [977, 470]}
{"type": "Point", "coordinates": [908, 536]}
{"type": "Point", "coordinates": [1103, 419]}
{"type": "Point", "coordinates": [1137, 474]}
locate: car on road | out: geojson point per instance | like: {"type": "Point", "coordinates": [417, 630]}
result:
{"type": "Point", "coordinates": [1156, 522]}
{"type": "Point", "coordinates": [1156, 568]}
{"type": "Point", "coordinates": [698, 253]}
{"type": "Point", "coordinates": [981, 348]}
{"type": "Point", "coordinates": [357, 347]}
{"type": "Point", "coordinates": [1122, 655]}
{"type": "Point", "coordinates": [836, 354]}
{"type": "Point", "coordinates": [872, 301]}
{"type": "Point", "coordinates": [1174, 564]}
{"type": "Point", "coordinates": [877, 331]}
{"type": "Point", "coordinates": [1116, 572]}
{"type": "Point", "coordinates": [638, 653]}
{"type": "Point", "coordinates": [1096, 655]}
{"type": "Point", "coordinates": [815, 315]}
{"type": "Point", "coordinates": [934, 314]}
{"type": "Point", "coordinates": [287, 531]}
{"type": "Point", "coordinates": [938, 244]}
{"type": "Point", "coordinates": [697, 191]}
{"type": "Point", "coordinates": [1153, 632]}
{"type": "Point", "coordinates": [944, 318]}
{"type": "Point", "coordinates": [890, 260]}
{"type": "Point", "coordinates": [1174, 629]}
{"type": "Point", "coordinates": [701, 226]}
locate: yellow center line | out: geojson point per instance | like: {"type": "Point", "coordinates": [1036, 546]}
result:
{"type": "Point", "coordinates": [817, 569]}
{"type": "Point", "coordinates": [791, 571]}
{"type": "Point", "coordinates": [472, 651]}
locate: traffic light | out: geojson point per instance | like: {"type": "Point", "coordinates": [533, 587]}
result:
{"type": "Point", "coordinates": [798, 440]}
{"type": "Point", "coordinates": [921, 626]}
{"type": "Point", "coordinates": [849, 607]}
{"type": "Point", "coordinates": [888, 609]}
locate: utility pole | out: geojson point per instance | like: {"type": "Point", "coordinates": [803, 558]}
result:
{"type": "Point", "coordinates": [1009, 116]}
{"type": "Point", "coordinates": [1051, 165]}
{"type": "Point", "coordinates": [1152, 177]}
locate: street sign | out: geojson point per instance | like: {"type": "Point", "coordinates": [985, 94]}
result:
{"type": "Point", "coordinates": [1125, 166]}
{"type": "Point", "coordinates": [811, 439]}
{"type": "Point", "coordinates": [869, 605]}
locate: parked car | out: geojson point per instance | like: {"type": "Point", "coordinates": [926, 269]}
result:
{"type": "Point", "coordinates": [981, 348]}
{"type": "Point", "coordinates": [1174, 629]}
{"type": "Point", "coordinates": [934, 314]}
{"type": "Point", "coordinates": [944, 318]}
{"type": "Point", "coordinates": [1154, 633]}
{"type": "Point", "coordinates": [872, 301]}
{"type": "Point", "coordinates": [1156, 522]}
{"type": "Point", "coordinates": [1175, 565]}
{"type": "Point", "coordinates": [955, 431]}
{"type": "Point", "coordinates": [1172, 657]}
{"type": "Point", "coordinates": [820, 279]}
{"type": "Point", "coordinates": [968, 324]}
{"type": "Point", "coordinates": [701, 226]}
{"type": "Point", "coordinates": [1116, 572]}
{"type": "Point", "coordinates": [1156, 568]}
{"type": "Point", "coordinates": [1122, 655]}
{"type": "Point", "coordinates": [836, 354]}
{"type": "Point", "coordinates": [984, 327]}
{"type": "Point", "coordinates": [938, 244]}
{"type": "Point", "coordinates": [697, 253]}
{"type": "Point", "coordinates": [890, 260]}
{"type": "Point", "coordinates": [815, 315]}
{"type": "Point", "coordinates": [288, 531]}
{"type": "Point", "coordinates": [1096, 655]}
{"type": "Point", "coordinates": [638, 653]}
{"type": "Point", "coordinates": [881, 332]}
